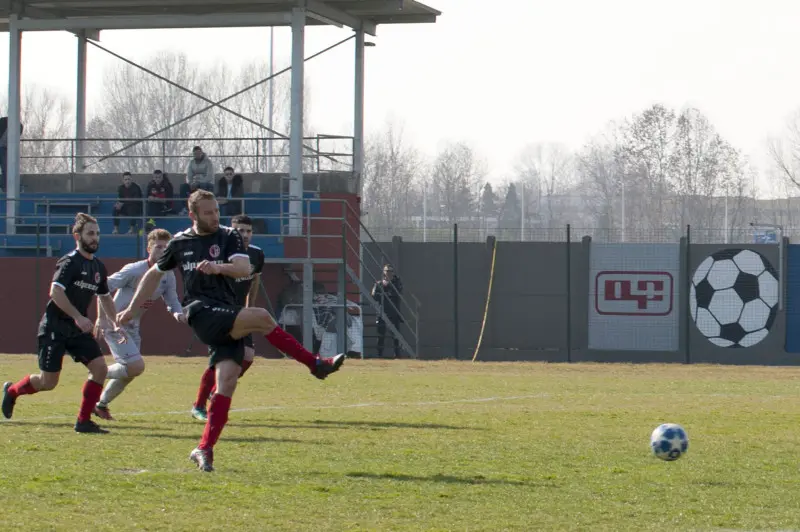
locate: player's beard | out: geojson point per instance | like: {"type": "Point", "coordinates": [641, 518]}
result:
{"type": "Point", "coordinates": [204, 227]}
{"type": "Point", "coordinates": [89, 247]}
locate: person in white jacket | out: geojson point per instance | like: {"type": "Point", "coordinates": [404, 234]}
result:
{"type": "Point", "coordinates": [129, 363]}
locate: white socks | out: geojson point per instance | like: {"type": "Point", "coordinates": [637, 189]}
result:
{"type": "Point", "coordinates": [112, 390]}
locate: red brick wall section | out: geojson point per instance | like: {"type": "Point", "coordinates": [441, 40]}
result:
{"type": "Point", "coordinates": [24, 292]}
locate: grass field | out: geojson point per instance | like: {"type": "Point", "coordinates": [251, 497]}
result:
{"type": "Point", "coordinates": [404, 445]}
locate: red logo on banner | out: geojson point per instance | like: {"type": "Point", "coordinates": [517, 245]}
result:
{"type": "Point", "coordinates": [633, 293]}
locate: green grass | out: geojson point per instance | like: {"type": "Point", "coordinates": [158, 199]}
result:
{"type": "Point", "coordinates": [412, 446]}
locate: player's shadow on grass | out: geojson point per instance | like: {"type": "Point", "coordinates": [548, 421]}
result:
{"type": "Point", "coordinates": [238, 439]}
{"type": "Point", "coordinates": [327, 424]}
{"type": "Point", "coordinates": [446, 479]}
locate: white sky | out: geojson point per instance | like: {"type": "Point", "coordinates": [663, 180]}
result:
{"type": "Point", "coordinates": [524, 71]}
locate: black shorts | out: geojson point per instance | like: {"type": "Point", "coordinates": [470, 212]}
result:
{"type": "Point", "coordinates": [213, 324]}
{"type": "Point", "coordinates": [82, 348]}
{"type": "Point", "coordinates": [248, 341]}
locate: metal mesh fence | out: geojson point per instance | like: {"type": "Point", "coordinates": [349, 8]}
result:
{"type": "Point", "coordinates": [665, 235]}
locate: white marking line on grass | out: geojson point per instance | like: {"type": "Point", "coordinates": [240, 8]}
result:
{"type": "Point", "coordinates": [316, 407]}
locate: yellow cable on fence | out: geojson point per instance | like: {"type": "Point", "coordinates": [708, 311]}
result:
{"type": "Point", "coordinates": [488, 298]}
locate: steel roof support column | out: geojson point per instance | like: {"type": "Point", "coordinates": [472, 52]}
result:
{"type": "Point", "coordinates": [80, 103]}
{"type": "Point", "coordinates": [296, 121]}
{"type": "Point", "coordinates": [358, 114]}
{"type": "Point", "coordinates": [12, 154]}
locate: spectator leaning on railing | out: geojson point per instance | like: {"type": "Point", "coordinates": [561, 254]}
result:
{"type": "Point", "coordinates": [129, 204]}
{"type": "Point", "coordinates": [229, 188]}
{"type": "Point", "coordinates": [4, 149]}
{"type": "Point", "coordinates": [199, 173]}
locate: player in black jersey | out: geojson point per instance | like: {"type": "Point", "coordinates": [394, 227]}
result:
{"type": "Point", "coordinates": [64, 327]}
{"type": "Point", "coordinates": [246, 289]}
{"type": "Point", "coordinates": [210, 258]}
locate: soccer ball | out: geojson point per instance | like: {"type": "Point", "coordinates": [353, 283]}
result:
{"type": "Point", "coordinates": [669, 442]}
{"type": "Point", "coordinates": [734, 297]}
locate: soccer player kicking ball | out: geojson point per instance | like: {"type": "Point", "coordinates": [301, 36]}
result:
{"type": "Point", "coordinates": [246, 289]}
{"type": "Point", "coordinates": [211, 257]}
{"type": "Point", "coordinates": [127, 355]}
{"type": "Point", "coordinates": [64, 328]}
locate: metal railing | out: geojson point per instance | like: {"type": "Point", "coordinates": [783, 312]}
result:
{"type": "Point", "coordinates": [322, 153]}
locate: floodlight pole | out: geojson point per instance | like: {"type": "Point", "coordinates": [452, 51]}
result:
{"type": "Point", "coordinates": [780, 257]}
{"type": "Point", "coordinates": [13, 146]}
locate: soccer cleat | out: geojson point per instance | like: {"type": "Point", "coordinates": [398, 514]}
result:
{"type": "Point", "coordinates": [203, 459]}
{"type": "Point", "coordinates": [8, 401]}
{"type": "Point", "coordinates": [89, 427]}
{"type": "Point", "coordinates": [199, 413]}
{"type": "Point", "coordinates": [103, 413]}
{"type": "Point", "coordinates": [326, 366]}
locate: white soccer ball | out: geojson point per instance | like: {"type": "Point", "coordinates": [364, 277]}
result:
{"type": "Point", "coordinates": [669, 441]}
{"type": "Point", "coordinates": [734, 298]}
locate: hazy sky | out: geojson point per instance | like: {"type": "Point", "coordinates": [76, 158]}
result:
{"type": "Point", "coordinates": [524, 71]}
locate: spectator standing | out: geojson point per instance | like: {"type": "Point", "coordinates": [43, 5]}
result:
{"type": "Point", "coordinates": [129, 202]}
{"type": "Point", "coordinates": [229, 188]}
{"type": "Point", "coordinates": [387, 293]}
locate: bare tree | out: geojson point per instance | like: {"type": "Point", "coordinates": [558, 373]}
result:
{"type": "Point", "coordinates": [546, 170]}
{"type": "Point", "coordinates": [48, 119]}
{"type": "Point", "coordinates": [391, 177]}
{"type": "Point", "coordinates": [456, 175]}
{"type": "Point", "coordinates": [136, 104]}
{"type": "Point", "coordinates": [599, 174]}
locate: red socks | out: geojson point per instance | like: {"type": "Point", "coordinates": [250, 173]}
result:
{"type": "Point", "coordinates": [207, 386]}
{"type": "Point", "coordinates": [23, 387]}
{"type": "Point", "coordinates": [217, 417]}
{"type": "Point", "coordinates": [91, 394]}
{"type": "Point", "coordinates": [285, 342]}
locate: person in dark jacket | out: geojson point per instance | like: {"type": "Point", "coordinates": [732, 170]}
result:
{"type": "Point", "coordinates": [159, 195]}
{"type": "Point", "coordinates": [129, 202]}
{"type": "Point", "coordinates": [230, 187]}
{"type": "Point", "coordinates": [387, 293]}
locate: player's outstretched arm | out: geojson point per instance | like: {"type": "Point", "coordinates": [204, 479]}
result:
{"type": "Point", "coordinates": [252, 295]}
{"type": "Point", "coordinates": [146, 287]}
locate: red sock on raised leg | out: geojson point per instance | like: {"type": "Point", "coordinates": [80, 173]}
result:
{"type": "Point", "coordinates": [286, 343]}
{"type": "Point", "coordinates": [217, 418]}
{"type": "Point", "coordinates": [23, 387]}
{"type": "Point", "coordinates": [207, 387]}
{"type": "Point", "coordinates": [91, 394]}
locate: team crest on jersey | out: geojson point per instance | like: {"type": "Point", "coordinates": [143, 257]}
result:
{"type": "Point", "coordinates": [214, 251]}
{"type": "Point", "coordinates": [97, 277]}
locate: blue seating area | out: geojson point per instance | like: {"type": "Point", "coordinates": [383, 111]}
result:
{"type": "Point", "coordinates": [53, 214]}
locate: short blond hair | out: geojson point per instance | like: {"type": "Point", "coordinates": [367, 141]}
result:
{"type": "Point", "coordinates": [197, 196]}
{"type": "Point", "coordinates": [157, 234]}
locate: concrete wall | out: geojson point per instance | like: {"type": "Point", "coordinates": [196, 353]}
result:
{"type": "Point", "coordinates": [531, 301]}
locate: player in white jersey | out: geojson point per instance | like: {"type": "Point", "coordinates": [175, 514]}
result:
{"type": "Point", "coordinates": [127, 355]}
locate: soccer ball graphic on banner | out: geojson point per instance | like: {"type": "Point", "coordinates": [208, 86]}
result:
{"type": "Point", "coordinates": [734, 297]}
{"type": "Point", "coordinates": [669, 441]}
